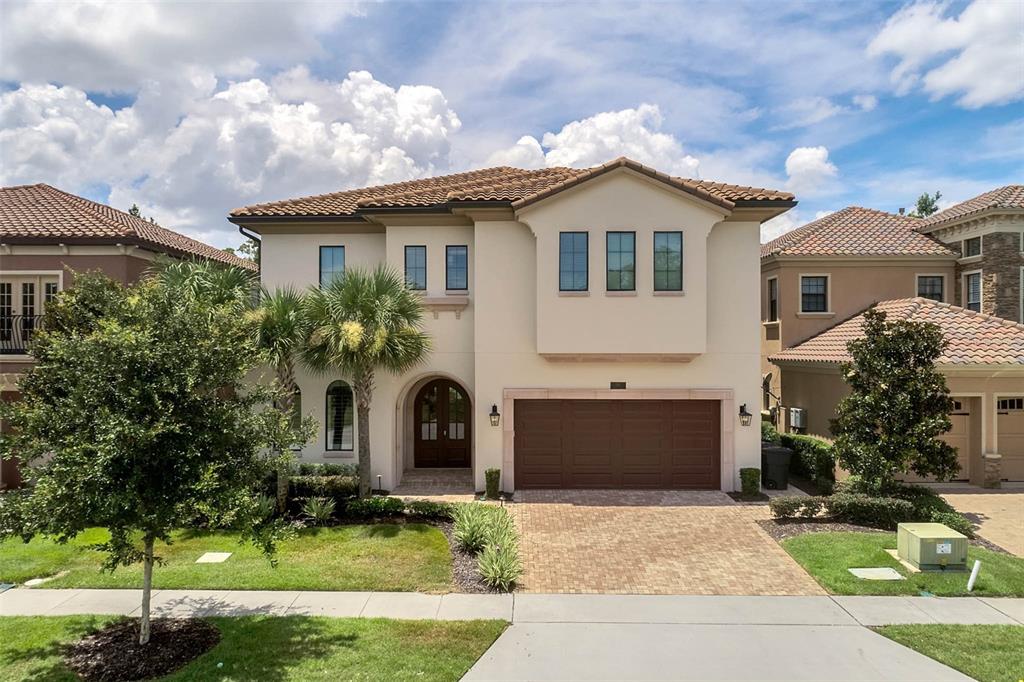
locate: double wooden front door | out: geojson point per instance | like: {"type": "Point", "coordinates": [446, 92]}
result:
{"type": "Point", "coordinates": [442, 423]}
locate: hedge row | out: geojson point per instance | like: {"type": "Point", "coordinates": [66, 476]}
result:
{"type": "Point", "coordinates": [813, 458]}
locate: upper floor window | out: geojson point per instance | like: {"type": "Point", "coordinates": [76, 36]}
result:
{"type": "Point", "coordinates": [416, 267]}
{"type": "Point", "coordinates": [339, 416]}
{"type": "Point", "coordinates": [621, 269]}
{"type": "Point", "coordinates": [972, 291]}
{"type": "Point", "coordinates": [773, 299]}
{"type": "Point", "coordinates": [332, 263]}
{"type": "Point", "coordinates": [668, 261]}
{"type": "Point", "coordinates": [930, 286]}
{"type": "Point", "coordinates": [457, 268]}
{"type": "Point", "coordinates": [573, 250]}
{"type": "Point", "coordinates": [972, 247]}
{"type": "Point", "coordinates": [814, 293]}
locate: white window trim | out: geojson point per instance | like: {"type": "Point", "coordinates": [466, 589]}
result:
{"type": "Point", "coordinates": [945, 284]}
{"type": "Point", "coordinates": [828, 294]}
{"type": "Point", "coordinates": [768, 299]}
{"type": "Point", "coordinates": [963, 288]}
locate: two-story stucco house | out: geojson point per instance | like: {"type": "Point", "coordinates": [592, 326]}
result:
{"type": "Point", "coordinates": [960, 268]}
{"type": "Point", "coordinates": [592, 328]}
{"type": "Point", "coordinates": [46, 236]}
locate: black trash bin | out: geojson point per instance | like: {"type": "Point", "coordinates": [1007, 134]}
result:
{"type": "Point", "coordinates": [775, 466]}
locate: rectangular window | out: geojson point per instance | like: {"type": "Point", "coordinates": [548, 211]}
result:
{"type": "Point", "coordinates": [332, 263]}
{"type": "Point", "coordinates": [773, 299]}
{"type": "Point", "coordinates": [50, 292]}
{"type": "Point", "coordinates": [972, 247]}
{"type": "Point", "coordinates": [972, 291]}
{"type": "Point", "coordinates": [621, 262]}
{"type": "Point", "coordinates": [668, 261]}
{"type": "Point", "coordinates": [573, 248]}
{"type": "Point", "coordinates": [457, 268]}
{"type": "Point", "coordinates": [416, 267]}
{"type": "Point", "coordinates": [6, 311]}
{"type": "Point", "coordinates": [339, 417]}
{"type": "Point", "coordinates": [930, 286]}
{"type": "Point", "coordinates": [28, 310]}
{"type": "Point", "coordinates": [1007, 404]}
{"type": "Point", "coordinates": [814, 294]}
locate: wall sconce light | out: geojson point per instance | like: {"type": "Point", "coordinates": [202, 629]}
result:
{"type": "Point", "coordinates": [495, 415]}
{"type": "Point", "coordinates": [745, 416]}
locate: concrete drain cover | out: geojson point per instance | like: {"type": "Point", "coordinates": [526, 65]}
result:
{"type": "Point", "coordinates": [876, 573]}
{"type": "Point", "coordinates": [213, 558]}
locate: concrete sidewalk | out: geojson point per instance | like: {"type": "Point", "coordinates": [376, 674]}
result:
{"type": "Point", "coordinates": [527, 608]}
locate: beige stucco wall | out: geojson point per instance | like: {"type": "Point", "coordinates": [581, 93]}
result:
{"type": "Point", "coordinates": [819, 390]}
{"type": "Point", "coordinates": [514, 302]}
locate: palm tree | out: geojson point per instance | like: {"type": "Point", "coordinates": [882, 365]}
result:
{"type": "Point", "coordinates": [218, 283]}
{"type": "Point", "coordinates": [359, 323]}
{"type": "Point", "coordinates": [280, 331]}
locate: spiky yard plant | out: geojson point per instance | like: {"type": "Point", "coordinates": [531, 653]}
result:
{"type": "Point", "coordinates": [360, 323]}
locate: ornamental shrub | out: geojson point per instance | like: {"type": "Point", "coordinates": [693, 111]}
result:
{"type": "Point", "coordinates": [493, 479]}
{"type": "Point", "coordinates": [326, 469]}
{"type": "Point", "coordinates": [813, 458]}
{"type": "Point", "coordinates": [750, 481]}
{"type": "Point", "coordinates": [867, 510]}
{"type": "Point", "coordinates": [473, 524]}
{"type": "Point", "coordinates": [768, 433]}
{"type": "Point", "coordinates": [374, 507]}
{"type": "Point", "coordinates": [434, 511]}
{"type": "Point", "coordinates": [319, 510]}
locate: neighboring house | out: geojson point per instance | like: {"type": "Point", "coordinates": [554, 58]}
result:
{"type": "Point", "coordinates": [988, 234]}
{"type": "Point", "coordinates": [592, 328]}
{"type": "Point", "coordinates": [984, 369]}
{"type": "Point", "coordinates": [46, 236]}
{"type": "Point", "coordinates": [835, 267]}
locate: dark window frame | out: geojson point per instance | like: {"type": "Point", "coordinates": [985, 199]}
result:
{"type": "Point", "coordinates": [327, 417]}
{"type": "Point", "coordinates": [608, 270]}
{"type": "Point", "coordinates": [448, 270]}
{"type": "Point", "coordinates": [586, 261]}
{"type": "Point", "coordinates": [773, 299]}
{"type": "Point", "coordinates": [407, 280]}
{"type": "Point", "coordinates": [823, 295]}
{"type": "Point", "coordinates": [320, 262]}
{"type": "Point", "coordinates": [972, 240]}
{"type": "Point", "coordinates": [942, 287]}
{"type": "Point", "coordinates": [967, 303]}
{"type": "Point", "coordinates": [654, 258]}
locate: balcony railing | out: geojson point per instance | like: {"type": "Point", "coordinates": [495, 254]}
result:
{"type": "Point", "coordinates": [16, 331]}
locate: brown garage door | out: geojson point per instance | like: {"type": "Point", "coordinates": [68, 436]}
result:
{"type": "Point", "coordinates": [669, 444]}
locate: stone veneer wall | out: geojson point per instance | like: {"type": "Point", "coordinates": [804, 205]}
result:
{"type": "Point", "coordinates": [1000, 264]}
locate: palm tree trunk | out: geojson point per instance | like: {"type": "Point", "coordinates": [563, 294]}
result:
{"type": "Point", "coordinates": [147, 589]}
{"type": "Point", "coordinates": [363, 387]}
{"type": "Point", "coordinates": [286, 403]}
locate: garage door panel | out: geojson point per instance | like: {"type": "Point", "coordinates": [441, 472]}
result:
{"type": "Point", "coordinates": [1011, 444]}
{"type": "Point", "coordinates": [617, 444]}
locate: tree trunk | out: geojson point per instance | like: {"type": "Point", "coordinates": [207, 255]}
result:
{"type": "Point", "coordinates": [286, 403]}
{"type": "Point", "coordinates": [363, 387]}
{"type": "Point", "coordinates": [147, 588]}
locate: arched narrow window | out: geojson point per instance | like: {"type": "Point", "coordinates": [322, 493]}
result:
{"type": "Point", "coordinates": [339, 416]}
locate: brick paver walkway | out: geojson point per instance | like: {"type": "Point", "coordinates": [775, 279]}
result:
{"type": "Point", "coordinates": [999, 515]}
{"type": "Point", "coordinates": [651, 542]}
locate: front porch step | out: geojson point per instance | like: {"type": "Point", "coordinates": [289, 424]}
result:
{"type": "Point", "coordinates": [432, 482]}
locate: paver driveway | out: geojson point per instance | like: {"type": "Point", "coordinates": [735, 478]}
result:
{"type": "Point", "coordinates": [999, 515]}
{"type": "Point", "coordinates": [650, 542]}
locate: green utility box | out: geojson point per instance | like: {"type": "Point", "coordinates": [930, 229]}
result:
{"type": "Point", "coordinates": [931, 547]}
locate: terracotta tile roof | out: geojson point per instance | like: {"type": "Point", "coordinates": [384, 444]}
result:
{"type": "Point", "coordinates": [516, 186]}
{"type": "Point", "coordinates": [856, 231]}
{"type": "Point", "coordinates": [974, 338]}
{"type": "Point", "coordinates": [1008, 197]}
{"type": "Point", "coordinates": [41, 212]}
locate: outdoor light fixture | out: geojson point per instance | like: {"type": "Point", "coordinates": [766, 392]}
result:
{"type": "Point", "coordinates": [495, 415]}
{"type": "Point", "coordinates": [745, 416]}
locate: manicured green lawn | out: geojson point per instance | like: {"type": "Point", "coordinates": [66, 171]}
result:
{"type": "Point", "coordinates": [410, 557]}
{"type": "Point", "coordinates": [274, 648]}
{"type": "Point", "coordinates": [827, 556]}
{"type": "Point", "coordinates": [988, 653]}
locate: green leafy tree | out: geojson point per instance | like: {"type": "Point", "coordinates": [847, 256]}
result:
{"type": "Point", "coordinates": [898, 404]}
{"type": "Point", "coordinates": [927, 204]}
{"type": "Point", "coordinates": [135, 418]}
{"type": "Point", "coordinates": [360, 323]}
{"type": "Point", "coordinates": [281, 329]}
{"type": "Point", "coordinates": [213, 282]}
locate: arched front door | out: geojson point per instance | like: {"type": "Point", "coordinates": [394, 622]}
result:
{"type": "Point", "coordinates": [442, 422]}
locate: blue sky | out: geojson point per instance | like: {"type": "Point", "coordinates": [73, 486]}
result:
{"type": "Point", "coordinates": [192, 109]}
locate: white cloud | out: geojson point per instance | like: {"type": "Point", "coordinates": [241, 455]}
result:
{"type": "Point", "coordinates": [248, 142]}
{"type": "Point", "coordinates": [809, 170]}
{"type": "Point", "coordinates": [601, 138]}
{"type": "Point", "coordinates": [975, 56]}
{"type": "Point", "coordinates": [807, 111]}
{"type": "Point", "coordinates": [780, 225]}
{"type": "Point", "coordinates": [865, 102]}
{"type": "Point", "coordinates": [120, 46]}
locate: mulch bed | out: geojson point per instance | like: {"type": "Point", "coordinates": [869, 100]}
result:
{"type": "Point", "coordinates": [464, 572]}
{"type": "Point", "coordinates": [114, 653]}
{"type": "Point", "coordinates": [782, 529]}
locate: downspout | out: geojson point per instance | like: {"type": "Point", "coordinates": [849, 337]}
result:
{"type": "Point", "coordinates": [248, 234]}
